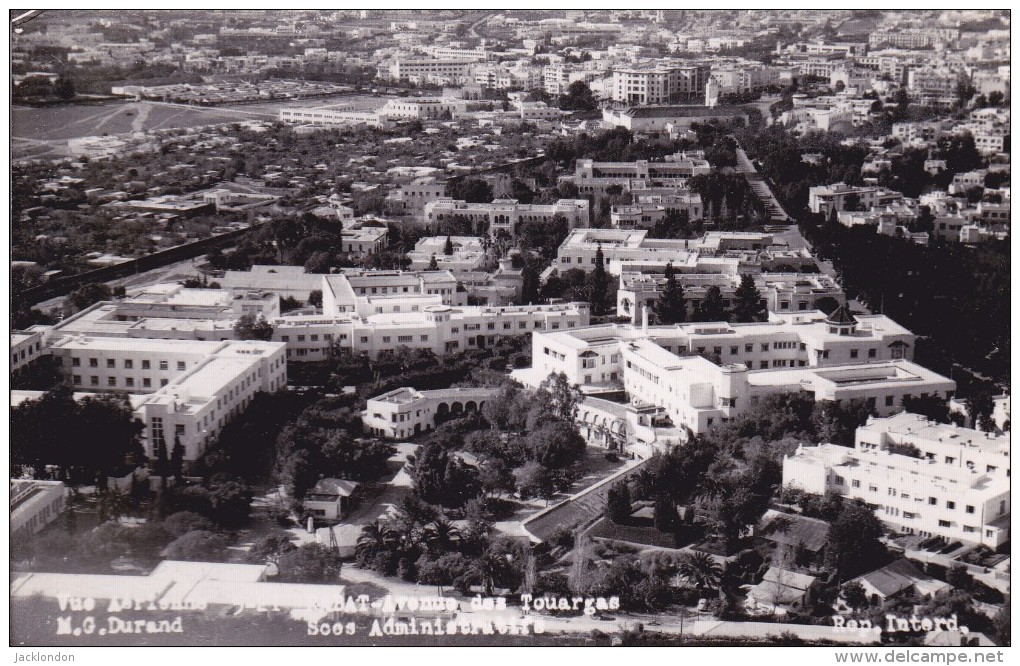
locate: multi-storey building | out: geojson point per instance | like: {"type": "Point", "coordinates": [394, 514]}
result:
{"type": "Point", "coordinates": [507, 214]}
{"type": "Point", "coordinates": [661, 83]}
{"type": "Point", "coordinates": [339, 115]}
{"type": "Point", "coordinates": [836, 357]}
{"type": "Point", "coordinates": [825, 199]}
{"type": "Point", "coordinates": [407, 412]}
{"type": "Point", "coordinates": [26, 347]}
{"type": "Point", "coordinates": [650, 209]}
{"type": "Point", "coordinates": [933, 82]}
{"type": "Point", "coordinates": [674, 171]}
{"type": "Point", "coordinates": [919, 477]}
{"type": "Point", "coordinates": [423, 108]}
{"type": "Point", "coordinates": [418, 70]}
{"type": "Point", "coordinates": [410, 198]}
{"type": "Point", "coordinates": [661, 119]}
{"type": "Point", "coordinates": [466, 253]}
{"type": "Point", "coordinates": [715, 252]}
{"type": "Point", "coordinates": [782, 292]}
{"type": "Point", "coordinates": [34, 505]}
{"type": "Point", "coordinates": [185, 391]}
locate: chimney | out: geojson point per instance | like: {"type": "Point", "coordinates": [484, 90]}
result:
{"type": "Point", "coordinates": [644, 318]}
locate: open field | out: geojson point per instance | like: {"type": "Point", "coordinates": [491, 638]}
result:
{"type": "Point", "coordinates": [43, 132]}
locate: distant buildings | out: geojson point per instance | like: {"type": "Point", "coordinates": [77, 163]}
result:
{"type": "Point", "coordinates": [920, 477]}
{"type": "Point", "coordinates": [339, 115]}
{"type": "Point", "coordinates": [826, 199]}
{"type": "Point", "coordinates": [668, 118]}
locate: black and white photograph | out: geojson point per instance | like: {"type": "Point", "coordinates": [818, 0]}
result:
{"type": "Point", "coordinates": [448, 328]}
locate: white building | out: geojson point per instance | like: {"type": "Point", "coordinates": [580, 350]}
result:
{"type": "Point", "coordinates": [407, 412]}
{"type": "Point", "coordinates": [715, 252]}
{"type": "Point", "coordinates": [783, 293]}
{"type": "Point", "coordinates": [186, 390]}
{"type": "Point", "coordinates": [411, 197]}
{"type": "Point", "coordinates": [34, 505]}
{"type": "Point", "coordinates": [660, 83]}
{"type": "Point", "coordinates": [423, 108]}
{"type": "Point", "coordinates": [936, 494]}
{"type": "Point", "coordinates": [507, 214]}
{"type": "Point", "coordinates": [340, 115]}
{"type": "Point", "coordinates": [674, 171]}
{"type": "Point", "coordinates": [835, 358]}
{"type": "Point", "coordinates": [439, 70]}
{"type": "Point", "coordinates": [467, 253]}
{"type": "Point", "coordinates": [826, 198]}
{"type": "Point", "coordinates": [26, 346]}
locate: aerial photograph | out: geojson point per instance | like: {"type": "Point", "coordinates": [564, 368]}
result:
{"type": "Point", "coordinates": [510, 328]}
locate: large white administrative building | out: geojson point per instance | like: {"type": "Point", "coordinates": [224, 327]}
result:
{"type": "Point", "coordinates": [707, 373]}
{"type": "Point", "coordinates": [919, 476]}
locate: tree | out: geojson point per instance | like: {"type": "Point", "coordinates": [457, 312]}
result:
{"type": "Point", "coordinates": [578, 97]}
{"type": "Point", "coordinates": [748, 306]}
{"type": "Point", "coordinates": [979, 404]}
{"type": "Point", "coordinates": [63, 88]}
{"type": "Point", "coordinates": [471, 190]}
{"type": "Point", "coordinates": [311, 563]}
{"type": "Point", "coordinates": [534, 480]}
{"type": "Point", "coordinates": [433, 264]}
{"type": "Point", "coordinates": [176, 466]}
{"type": "Point", "coordinates": [269, 548]}
{"type": "Point", "coordinates": [248, 327]}
{"type": "Point", "coordinates": [671, 307]}
{"type": "Point", "coordinates": [701, 570]}
{"type": "Point", "coordinates": [600, 284]}
{"type": "Point", "coordinates": [556, 444]}
{"type": "Point", "coordinates": [854, 595]}
{"type": "Point", "coordinates": [315, 298]}
{"type": "Point", "coordinates": [88, 294]}
{"type": "Point", "coordinates": [563, 397]}
{"type": "Point", "coordinates": [180, 523]}
{"type": "Point", "coordinates": [855, 544]}
{"type": "Point", "coordinates": [618, 503]}
{"type": "Point", "coordinates": [448, 247]}
{"type": "Point", "coordinates": [1001, 622]}
{"type": "Point", "coordinates": [712, 307]}
{"type": "Point", "coordinates": [375, 538]}
{"type": "Point", "coordinates": [665, 516]}
{"type": "Point", "coordinates": [429, 472]}
{"type": "Point", "coordinates": [198, 546]}
{"type": "Point", "coordinates": [162, 466]}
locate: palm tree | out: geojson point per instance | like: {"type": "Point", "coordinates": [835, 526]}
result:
{"type": "Point", "coordinates": [375, 538]}
{"type": "Point", "coordinates": [441, 535]}
{"type": "Point", "coordinates": [701, 569]}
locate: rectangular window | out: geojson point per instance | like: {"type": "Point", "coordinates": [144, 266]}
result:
{"type": "Point", "coordinates": [111, 363]}
{"type": "Point", "coordinates": [950, 504]}
{"type": "Point", "coordinates": [146, 365]}
{"type": "Point", "coordinates": [164, 365]}
{"type": "Point", "coordinates": [888, 401]}
{"type": "Point", "coordinates": [943, 523]}
{"type": "Point", "coordinates": [146, 382]}
{"type": "Point", "coordinates": [75, 362]}
{"type": "Point", "coordinates": [111, 381]}
{"type": "Point", "coordinates": [853, 353]}
{"type": "Point", "coordinates": [94, 381]}
{"type": "Point", "coordinates": [76, 379]}
{"type": "Point", "coordinates": [181, 365]}
{"type": "Point", "coordinates": [93, 362]}
{"type": "Point", "coordinates": [856, 483]}
{"type": "Point", "coordinates": [970, 509]}
{"type": "Point", "coordinates": [749, 348]}
{"type": "Point", "coordinates": [130, 381]}
{"type": "Point", "coordinates": [129, 364]}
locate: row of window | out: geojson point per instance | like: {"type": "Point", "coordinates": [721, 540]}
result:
{"type": "Point", "coordinates": [128, 364]}
{"type": "Point", "coordinates": [111, 382]}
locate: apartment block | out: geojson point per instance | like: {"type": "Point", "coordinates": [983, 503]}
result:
{"type": "Point", "coordinates": [665, 83]}
{"type": "Point", "coordinates": [827, 198]}
{"type": "Point", "coordinates": [186, 390]}
{"type": "Point", "coordinates": [952, 482]}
